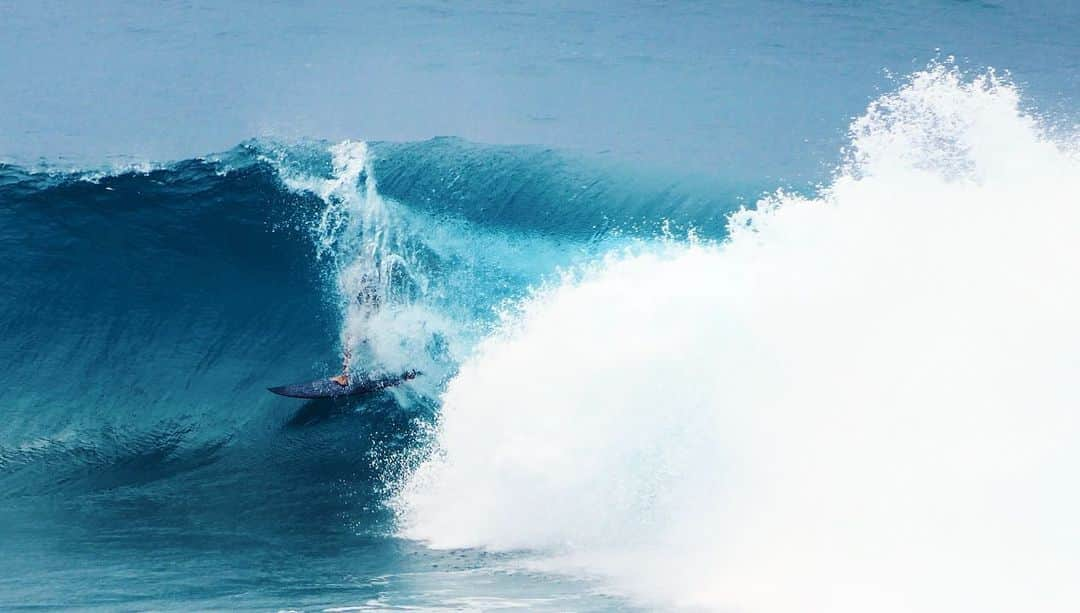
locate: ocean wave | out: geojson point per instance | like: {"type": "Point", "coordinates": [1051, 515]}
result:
{"type": "Point", "coordinates": [148, 306]}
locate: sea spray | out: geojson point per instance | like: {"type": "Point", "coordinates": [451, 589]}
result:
{"type": "Point", "coordinates": [414, 288]}
{"type": "Point", "coordinates": [862, 400]}
{"type": "Point", "coordinates": [376, 269]}
{"type": "Point", "coordinates": [356, 234]}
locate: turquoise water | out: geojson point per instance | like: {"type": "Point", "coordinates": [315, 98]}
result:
{"type": "Point", "coordinates": [651, 381]}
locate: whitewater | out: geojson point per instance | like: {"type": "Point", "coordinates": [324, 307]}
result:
{"type": "Point", "coordinates": [858, 399]}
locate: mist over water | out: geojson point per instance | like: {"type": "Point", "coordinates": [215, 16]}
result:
{"type": "Point", "coordinates": [859, 400]}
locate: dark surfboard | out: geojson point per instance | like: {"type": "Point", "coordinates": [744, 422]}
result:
{"type": "Point", "coordinates": [360, 383]}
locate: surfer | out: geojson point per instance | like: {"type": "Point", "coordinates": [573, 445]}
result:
{"type": "Point", "coordinates": [367, 297]}
{"type": "Point", "coordinates": [343, 378]}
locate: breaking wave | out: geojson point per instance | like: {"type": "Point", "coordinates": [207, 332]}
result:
{"type": "Point", "coordinates": [858, 400]}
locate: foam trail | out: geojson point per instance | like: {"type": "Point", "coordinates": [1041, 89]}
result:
{"type": "Point", "coordinates": [861, 401]}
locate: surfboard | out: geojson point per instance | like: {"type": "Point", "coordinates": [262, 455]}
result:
{"type": "Point", "coordinates": [359, 383]}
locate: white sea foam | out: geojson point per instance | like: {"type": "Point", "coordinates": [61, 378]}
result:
{"type": "Point", "coordinates": [862, 401]}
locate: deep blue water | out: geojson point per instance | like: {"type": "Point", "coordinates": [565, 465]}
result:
{"type": "Point", "coordinates": [145, 305]}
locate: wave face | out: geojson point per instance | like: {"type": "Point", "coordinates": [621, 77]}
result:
{"type": "Point", "coordinates": [146, 309]}
{"type": "Point", "coordinates": [860, 400]}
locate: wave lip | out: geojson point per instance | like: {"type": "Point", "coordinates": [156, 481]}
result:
{"type": "Point", "coordinates": [860, 400]}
